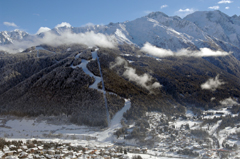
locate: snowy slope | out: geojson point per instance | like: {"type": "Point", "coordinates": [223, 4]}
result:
{"type": "Point", "coordinates": [153, 28]}
{"type": "Point", "coordinates": [218, 24]}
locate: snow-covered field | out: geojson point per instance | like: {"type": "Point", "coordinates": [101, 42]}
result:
{"type": "Point", "coordinates": [13, 128]}
{"type": "Point", "coordinates": [148, 156]}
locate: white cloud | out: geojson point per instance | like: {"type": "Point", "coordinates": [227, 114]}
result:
{"type": "Point", "coordinates": [155, 51]}
{"type": "Point", "coordinates": [164, 6]}
{"type": "Point", "coordinates": [10, 24]}
{"type": "Point", "coordinates": [131, 74]}
{"type": "Point", "coordinates": [212, 83]}
{"type": "Point", "coordinates": [224, 1]}
{"type": "Point", "coordinates": [90, 39]}
{"type": "Point", "coordinates": [228, 102]}
{"type": "Point", "coordinates": [141, 80]}
{"type": "Point", "coordinates": [214, 7]}
{"type": "Point", "coordinates": [186, 10]}
{"type": "Point", "coordinates": [213, 98]}
{"type": "Point", "coordinates": [119, 61]}
{"type": "Point", "coordinates": [160, 52]}
{"type": "Point", "coordinates": [43, 29]}
{"type": "Point", "coordinates": [63, 24]}
{"type": "Point", "coordinates": [227, 7]}
{"type": "Point", "coordinates": [183, 12]}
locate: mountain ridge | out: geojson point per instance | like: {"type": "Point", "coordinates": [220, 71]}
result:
{"type": "Point", "coordinates": [161, 30]}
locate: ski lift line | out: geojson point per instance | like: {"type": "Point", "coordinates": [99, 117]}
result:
{"type": "Point", "coordinates": [94, 55]}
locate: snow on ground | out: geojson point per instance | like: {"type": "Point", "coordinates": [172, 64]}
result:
{"type": "Point", "coordinates": [107, 135]}
{"type": "Point", "coordinates": [29, 128]}
{"type": "Point", "coordinates": [37, 48]}
{"type": "Point", "coordinates": [116, 121]}
{"type": "Point", "coordinates": [210, 114]}
{"type": "Point", "coordinates": [147, 156]}
{"type": "Point", "coordinates": [77, 56]}
{"type": "Point", "coordinates": [214, 128]}
{"type": "Point", "coordinates": [193, 124]}
{"type": "Point", "coordinates": [83, 65]}
{"type": "Point", "coordinates": [223, 134]}
{"type": "Point", "coordinates": [189, 113]}
{"type": "Point", "coordinates": [94, 54]}
{"type": "Point", "coordinates": [130, 61]}
{"type": "Point", "coordinates": [178, 123]}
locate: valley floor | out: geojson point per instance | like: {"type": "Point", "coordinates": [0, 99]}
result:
{"type": "Point", "coordinates": [53, 130]}
{"type": "Point", "coordinates": [175, 139]}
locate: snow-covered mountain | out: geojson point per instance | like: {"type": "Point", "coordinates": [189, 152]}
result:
{"type": "Point", "coordinates": [8, 37]}
{"type": "Point", "coordinates": [213, 29]}
{"type": "Point", "coordinates": [218, 25]}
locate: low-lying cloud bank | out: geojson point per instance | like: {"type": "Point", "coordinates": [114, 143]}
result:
{"type": "Point", "coordinates": [229, 102]}
{"type": "Point", "coordinates": [212, 83]}
{"type": "Point", "coordinates": [89, 38]}
{"type": "Point", "coordinates": [130, 73]}
{"type": "Point", "coordinates": [160, 52]}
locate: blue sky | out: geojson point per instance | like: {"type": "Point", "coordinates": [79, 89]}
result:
{"type": "Point", "coordinates": [30, 15]}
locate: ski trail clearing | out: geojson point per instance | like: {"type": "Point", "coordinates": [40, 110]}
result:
{"type": "Point", "coordinates": [83, 65]}
{"type": "Point", "coordinates": [107, 135]}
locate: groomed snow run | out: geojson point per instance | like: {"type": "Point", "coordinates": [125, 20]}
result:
{"type": "Point", "coordinates": [83, 65]}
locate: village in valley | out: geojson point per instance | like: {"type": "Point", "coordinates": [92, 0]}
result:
{"type": "Point", "coordinates": [155, 135]}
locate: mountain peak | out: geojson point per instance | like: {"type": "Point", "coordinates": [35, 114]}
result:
{"type": "Point", "coordinates": [156, 15]}
{"type": "Point", "coordinates": [210, 15]}
{"type": "Point", "coordinates": [17, 30]}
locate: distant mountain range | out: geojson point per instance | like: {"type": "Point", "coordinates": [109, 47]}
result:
{"type": "Point", "coordinates": [213, 29]}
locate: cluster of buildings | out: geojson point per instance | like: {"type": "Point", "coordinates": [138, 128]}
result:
{"type": "Point", "coordinates": [54, 150]}
{"type": "Point", "coordinates": [175, 138]}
